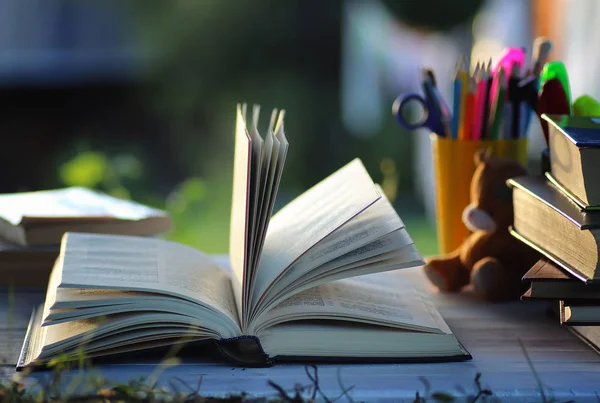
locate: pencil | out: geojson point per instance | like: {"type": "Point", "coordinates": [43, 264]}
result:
{"type": "Point", "coordinates": [456, 100]}
{"type": "Point", "coordinates": [497, 112]}
{"type": "Point", "coordinates": [464, 88]}
{"type": "Point", "coordinates": [481, 82]}
{"type": "Point", "coordinates": [486, 104]}
{"type": "Point", "coordinates": [470, 109]}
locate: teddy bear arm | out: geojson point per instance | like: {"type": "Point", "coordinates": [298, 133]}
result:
{"type": "Point", "coordinates": [477, 246]}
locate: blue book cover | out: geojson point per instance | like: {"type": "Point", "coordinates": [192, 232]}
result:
{"type": "Point", "coordinates": [583, 131]}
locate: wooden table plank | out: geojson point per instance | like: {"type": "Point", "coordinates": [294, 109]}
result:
{"type": "Point", "coordinates": [491, 332]}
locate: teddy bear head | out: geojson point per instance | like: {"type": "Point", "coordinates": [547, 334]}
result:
{"type": "Point", "coordinates": [491, 199]}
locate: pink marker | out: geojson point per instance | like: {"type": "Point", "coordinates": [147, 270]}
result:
{"type": "Point", "coordinates": [509, 57]}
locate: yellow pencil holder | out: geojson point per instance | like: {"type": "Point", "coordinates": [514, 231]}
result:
{"type": "Point", "coordinates": [453, 162]}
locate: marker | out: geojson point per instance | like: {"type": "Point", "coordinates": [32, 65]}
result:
{"type": "Point", "coordinates": [556, 70]}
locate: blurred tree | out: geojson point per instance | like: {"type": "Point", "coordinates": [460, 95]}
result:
{"type": "Point", "coordinates": [211, 54]}
{"type": "Point", "coordinates": [436, 15]}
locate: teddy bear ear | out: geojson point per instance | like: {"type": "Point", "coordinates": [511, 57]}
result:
{"type": "Point", "coordinates": [482, 155]}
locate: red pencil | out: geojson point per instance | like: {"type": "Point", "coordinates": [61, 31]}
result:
{"type": "Point", "coordinates": [470, 109]}
{"type": "Point", "coordinates": [482, 79]}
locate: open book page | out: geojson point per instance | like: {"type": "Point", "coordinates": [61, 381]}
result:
{"type": "Point", "coordinates": [240, 205]}
{"type": "Point", "coordinates": [193, 313]}
{"type": "Point", "coordinates": [375, 222]}
{"type": "Point", "coordinates": [71, 298]}
{"type": "Point", "coordinates": [406, 257]}
{"type": "Point", "coordinates": [310, 218]}
{"type": "Point", "coordinates": [146, 264]}
{"type": "Point", "coordinates": [397, 245]}
{"type": "Point", "coordinates": [402, 257]}
{"type": "Point", "coordinates": [387, 299]}
{"type": "Point", "coordinates": [97, 334]}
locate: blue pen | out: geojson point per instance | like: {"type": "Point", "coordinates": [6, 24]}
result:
{"type": "Point", "coordinates": [457, 100]}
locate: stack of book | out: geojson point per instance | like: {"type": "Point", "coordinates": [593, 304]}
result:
{"type": "Point", "coordinates": [559, 215]}
{"type": "Point", "coordinates": [32, 225]}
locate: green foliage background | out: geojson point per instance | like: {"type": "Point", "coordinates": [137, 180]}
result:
{"type": "Point", "coordinates": [206, 56]}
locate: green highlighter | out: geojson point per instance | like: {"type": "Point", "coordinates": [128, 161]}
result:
{"type": "Point", "coordinates": [557, 70]}
{"type": "Point", "coordinates": [585, 105]}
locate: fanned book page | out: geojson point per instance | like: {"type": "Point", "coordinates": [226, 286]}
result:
{"type": "Point", "coordinates": [258, 166]}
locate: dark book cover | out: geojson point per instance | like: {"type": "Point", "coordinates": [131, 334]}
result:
{"type": "Point", "coordinates": [566, 321]}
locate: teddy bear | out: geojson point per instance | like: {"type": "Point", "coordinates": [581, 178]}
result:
{"type": "Point", "coordinates": [490, 259]}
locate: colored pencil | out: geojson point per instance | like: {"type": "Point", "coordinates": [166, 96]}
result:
{"type": "Point", "coordinates": [497, 110]}
{"type": "Point", "coordinates": [486, 104]}
{"type": "Point", "coordinates": [456, 100]}
{"type": "Point", "coordinates": [470, 109]}
{"type": "Point", "coordinates": [464, 88]}
{"type": "Point", "coordinates": [481, 81]}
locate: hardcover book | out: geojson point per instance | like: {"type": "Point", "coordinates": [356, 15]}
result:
{"type": "Point", "coordinates": [574, 143]}
{"type": "Point", "coordinates": [579, 313]}
{"type": "Point", "coordinates": [318, 280]}
{"type": "Point", "coordinates": [550, 222]}
{"type": "Point", "coordinates": [549, 281]}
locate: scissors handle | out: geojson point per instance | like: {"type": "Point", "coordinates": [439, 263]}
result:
{"type": "Point", "coordinates": [401, 103]}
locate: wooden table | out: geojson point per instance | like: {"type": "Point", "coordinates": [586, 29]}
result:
{"type": "Point", "coordinates": [568, 369]}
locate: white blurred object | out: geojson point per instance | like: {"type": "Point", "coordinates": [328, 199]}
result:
{"type": "Point", "coordinates": [581, 33]}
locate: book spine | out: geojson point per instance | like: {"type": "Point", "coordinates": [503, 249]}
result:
{"type": "Point", "coordinates": [24, 354]}
{"type": "Point", "coordinates": [245, 350]}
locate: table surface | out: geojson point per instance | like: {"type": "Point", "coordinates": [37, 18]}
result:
{"type": "Point", "coordinates": [493, 333]}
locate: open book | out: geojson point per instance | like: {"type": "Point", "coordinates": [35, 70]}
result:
{"type": "Point", "coordinates": [309, 282]}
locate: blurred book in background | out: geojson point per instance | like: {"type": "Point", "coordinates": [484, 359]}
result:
{"type": "Point", "coordinates": [32, 225]}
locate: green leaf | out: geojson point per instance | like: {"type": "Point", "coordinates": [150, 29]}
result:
{"type": "Point", "coordinates": [87, 169]}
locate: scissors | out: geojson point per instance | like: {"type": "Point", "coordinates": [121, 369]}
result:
{"type": "Point", "coordinates": [434, 115]}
